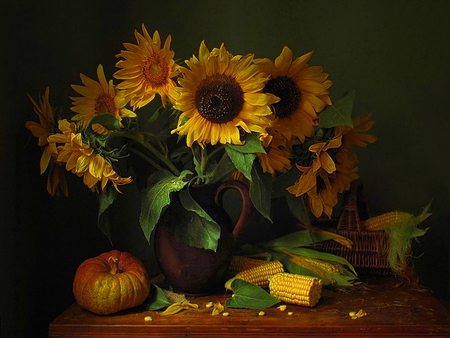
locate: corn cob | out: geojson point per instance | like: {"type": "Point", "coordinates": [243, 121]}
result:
{"type": "Point", "coordinates": [318, 263]}
{"type": "Point", "coordinates": [296, 289]}
{"type": "Point", "coordinates": [386, 220]}
{"type": "Point", "coordinates": [258, 275]}
{"type": "Point", "coordinates": [241, 263]}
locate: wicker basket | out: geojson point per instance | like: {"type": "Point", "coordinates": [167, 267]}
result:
{"type": "Point", "coordinates": [370, 248]}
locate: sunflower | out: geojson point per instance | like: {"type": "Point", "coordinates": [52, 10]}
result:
{"type": "Point", "coordinates": [322, 160]}
{"type": "Point", "coordinates": [147, 69]}
{"type": "Point", "coordinates": [99, 98]}
{"type": "Point", "coordinates": [81, 159]}
{"type": "Point", "coordinates": [334, 166]}
{"type": "Point", "coordinates": [357, 135]}
{"type": "Point", "coordinates": [56, 182]}
{"type": "Point", "coordinates": [278, 153]}
{"type": "Point", "coordinates": [322, 180]}
{"type": "Point", "coordinates": [322, 197]}
{"type": "Point", "coordinates": [303, 92]}
{"type": "Point", "coordinates": [220, 97]}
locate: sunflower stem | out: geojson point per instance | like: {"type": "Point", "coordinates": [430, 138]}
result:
{"type": "Point", "coordinates": [215, 151]}
{"type": "Point", "coordinates": [146, 158]}
{"type": "Point", "coordinates": [140, 139]}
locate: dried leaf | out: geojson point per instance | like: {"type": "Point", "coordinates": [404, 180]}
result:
{"type": "Point", "coordinates": [177, 307]}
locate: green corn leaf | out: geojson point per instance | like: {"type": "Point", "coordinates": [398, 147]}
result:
{"type": "Point", "coordinates": [329, 257]}
{"type": "Point", "coordinates": [292, 240]}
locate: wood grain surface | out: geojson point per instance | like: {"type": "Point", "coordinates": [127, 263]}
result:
{"type": "Point", "coordinates": [392, 311]}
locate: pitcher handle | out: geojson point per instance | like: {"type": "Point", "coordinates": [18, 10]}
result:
{"type": "Point", "coordinates": [246, 203]}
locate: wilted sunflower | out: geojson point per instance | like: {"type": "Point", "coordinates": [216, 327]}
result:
{"type": "Point", "coordinates": [319, 179]}
{"type": "Point", "coordinates": [322, 160]}
{"type": "Point", "coordinates": [47, 126]}
{"type": "Point", "coordinates": [99, 98]}
{"type": "Point", "coordinates": [334, 166]}
{"type": "Point", "coordinates": [82, 160]}
{"type": "Point", "coordinates": [323, 196]}
{"type": "Point", "coordinates": [357, 135]}
{"type": "Point", "coordinates": [302, 89]}
{"type": "Point", "coordinates": [147, 69]}
{"type": "Point", "coordinates": [220, 97]}
{"type": "Point", "coordinates": [278, 153]}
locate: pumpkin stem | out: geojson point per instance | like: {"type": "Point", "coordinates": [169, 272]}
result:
{"type": "Point", "coordinates": [115, 266]}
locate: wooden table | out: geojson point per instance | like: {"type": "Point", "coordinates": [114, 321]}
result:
{"type": "Point", "coordinates": [392, 312]}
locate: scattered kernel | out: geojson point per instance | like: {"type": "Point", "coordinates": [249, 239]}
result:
{"type": "Point", "coordinates": [356, 315]}
{"type": "Point", "coordinates": [282, 307]}
{"type": "Point", "coordinates": [148, 318]}
{"type": "Point", "coordinates": [261, 313]}
{"type": "Point", "coordinates": [209, 305]}
{"type": "Point", "coordinates": [225, 314]}
{"type": "Point", "coordinates": [290, 313]}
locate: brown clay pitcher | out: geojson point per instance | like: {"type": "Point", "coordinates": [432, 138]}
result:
{"type": "Point", "coordinates": [193, 271]}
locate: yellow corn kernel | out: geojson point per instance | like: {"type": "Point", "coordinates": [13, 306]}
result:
{"type": "Point", "coordinates": [241, 263]}
{"type": "Point", "coordinates": [261, 313]}
{"type": "Point", "coordinates": [385, 220]}
{"type": "Point", "coordinates": [282, 307]}
{"type": "Point", "coordinates": [258, 275]}
{"type": "Point", "coordinates": [296, 289]}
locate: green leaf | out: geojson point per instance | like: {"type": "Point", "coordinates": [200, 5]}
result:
{"type": "Point", "coordinates": [158, 300]}
{"type": "Point", "coordinates": [292, 240]}
{"type": "Point", "coordinates": [106, 120]}
{"type": "Point", "coordinates": [261, 190]}
{"type": "Point", "coordinates": [223, 169]}
{"type": "Point", "coordinates": [189, 203]}
{"type": "Point", "coordinates": [249, 296]}
{"type": "Point", "coordinates": [242, 161]}
{"type": "Point", "coordinates": [105, 200]}
{"type": "Point", "coordinates": [157, 197]}
{"type": "Point", "coordinates": [284, 181]}
{"type": "Point", "coordinates": [339, 114]}
{"type": "Point", "coordinates": [298, 208]}
{"type": "Point", "coordinates": [252, 145]}
{"type": "Point", "coordinates": [329, 257]}
{"type": "Point", "coordinates": [203, 232]}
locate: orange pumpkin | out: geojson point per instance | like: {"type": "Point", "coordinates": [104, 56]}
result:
{"type": "Point", "coordinates": [111, 282]}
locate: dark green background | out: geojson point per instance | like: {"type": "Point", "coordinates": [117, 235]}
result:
{"type": "Point", "coordinates": [395, 54]}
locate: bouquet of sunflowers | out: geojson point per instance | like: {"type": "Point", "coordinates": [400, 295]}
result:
{"type": "Point", "coordinates": [269, 123]}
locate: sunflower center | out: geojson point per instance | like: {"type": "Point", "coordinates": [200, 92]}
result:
{"type": "Point", "coordinates": [289, 95]}
{"type": "Point", "coordinates": [219, 98]}
{"type": "Point", "coordinates": [155, 71]}
{"type": "Point", "coordinates": [105, 105]}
